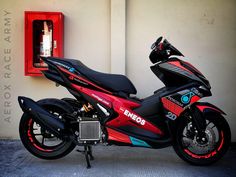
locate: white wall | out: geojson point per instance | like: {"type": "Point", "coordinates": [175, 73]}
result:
{"type": "Point", "coordinates": [203, 30]}
{"type": "Point", "coordinates": [87, 26]}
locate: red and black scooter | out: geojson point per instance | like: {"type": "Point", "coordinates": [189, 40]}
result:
{"type": "Point", "coordinates": [105, 112]}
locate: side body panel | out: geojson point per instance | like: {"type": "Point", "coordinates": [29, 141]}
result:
{"type": "Point", "coordinates": [122, 123]}
{"type": "Point", "coordinates": [126, 120]}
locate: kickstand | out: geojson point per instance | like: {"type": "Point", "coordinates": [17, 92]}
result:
{"type": "Point", "coordinates": [88, 154]}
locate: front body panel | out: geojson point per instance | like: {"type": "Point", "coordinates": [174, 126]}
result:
{"type": "Point", "coordinates": [174, 104]}
{"type": "Point", "coordinates": [175, 72]}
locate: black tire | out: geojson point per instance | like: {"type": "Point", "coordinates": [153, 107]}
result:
{"type": "Point", "coordinates": [32, 144]}
{"type": "Point", "coordinates": [220, 148]}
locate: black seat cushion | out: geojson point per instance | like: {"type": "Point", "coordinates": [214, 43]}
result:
{"type": "Point", "coordinates": [112, 82]}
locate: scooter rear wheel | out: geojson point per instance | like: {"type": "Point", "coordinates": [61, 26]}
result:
{"type": "Point", "coordinates": [205, 150]}
{"type": "Point", "coordinates": [39, 141]}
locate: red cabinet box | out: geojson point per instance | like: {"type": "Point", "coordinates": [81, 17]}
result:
{"type": "Point", "coordinates": [43, 38]}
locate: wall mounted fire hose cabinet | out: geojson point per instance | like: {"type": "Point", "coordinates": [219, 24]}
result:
{"type": "Point", "coordinates": [43, 38]}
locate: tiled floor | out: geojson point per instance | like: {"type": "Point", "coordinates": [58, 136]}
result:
{"type": "Point", "coordinates": [109, 161]}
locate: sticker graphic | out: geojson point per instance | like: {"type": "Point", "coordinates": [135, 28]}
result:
{"type": "Point", "coordinates": [187, 97]}
{"type": "Point", "coordinates": [171, 116]}
{"type": "Point", "coordinates": [72, 70]}
{"type": "Point", "coordinates": [138, 142]}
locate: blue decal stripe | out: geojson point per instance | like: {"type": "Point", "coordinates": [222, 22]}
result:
{"type": "Point", "coordinates": [138, 142]}
{"type": "Point", "coordinates": [72, 70]}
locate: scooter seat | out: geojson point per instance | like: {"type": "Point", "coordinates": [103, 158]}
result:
{"type": "Point", "coordinates": [111, 82]}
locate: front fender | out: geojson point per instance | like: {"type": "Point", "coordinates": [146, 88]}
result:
{"type": "Point", "coordinates": [200, 111]}
{"type": "Point", "coordinates": [206, 108]}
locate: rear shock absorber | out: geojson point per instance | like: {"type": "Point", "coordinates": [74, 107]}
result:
{"type": "Point", "coordinates": [86, 108]}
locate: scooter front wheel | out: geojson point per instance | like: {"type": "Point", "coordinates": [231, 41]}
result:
{"type": "Point", "coordinates": [202, 150]}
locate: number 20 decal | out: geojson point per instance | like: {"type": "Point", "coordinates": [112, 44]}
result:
{"type": "Point", "coordinates": [171, 116]}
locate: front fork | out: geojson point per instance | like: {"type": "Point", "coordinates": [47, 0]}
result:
{"type": "Point", "coordinates": [193, 115]}
{"type": "Point", "coordinates": [198, 120]}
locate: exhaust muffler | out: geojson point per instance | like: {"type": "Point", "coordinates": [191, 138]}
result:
{"type": "Point", "coordinates": [46, 120]}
